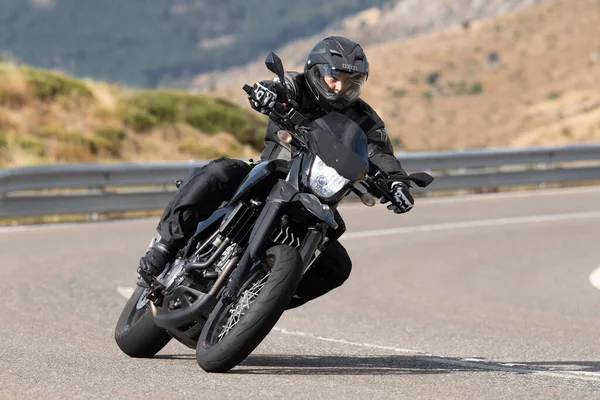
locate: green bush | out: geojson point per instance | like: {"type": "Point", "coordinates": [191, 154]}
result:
{"type": "Point", "coordinates": [164, 105]}
{"type": "Point", "coordinates": [461, 88]}
{"type": "Point", "coordinates": [111, 134]}
{"type": "Point", "coordinates": [433, 77]}
{"type": "Point", "coordinates": [100, 146]}
{"type": "Point", "coordinates": [553, 95]}
{"type": "Point", "coordinates": [3, 140]}
{"type": "Point", "coordinates": [398, 92]}
{"type": "Point", "coordinates": [149, 108]}
{"type": "Point", "coordinates": [48, 85]}
{"type": "Point", "coordinates": [30, 144]}
{"type": "Point", "coordinates": [476, 89]}
{"type": "Point", "coordinates": [107, 141]}
{"type": "Point", "coordinates": [138, 120]}
{"type": "Point", "coordinates": [54, 132]}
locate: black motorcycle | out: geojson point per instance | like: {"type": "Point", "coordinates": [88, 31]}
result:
{"type": "Point", "coordinates": [228, 287]}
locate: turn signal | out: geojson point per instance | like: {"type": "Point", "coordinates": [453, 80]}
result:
{"type": "Point", "coordinates": [284, 136]}
{"type": "Point", "coordinates": [368, 199]}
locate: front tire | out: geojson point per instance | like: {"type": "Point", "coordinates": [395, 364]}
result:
{"type": "Point", "coordinates": [136, 333]}
{"type": "Point", "coordinates": [234, 330]}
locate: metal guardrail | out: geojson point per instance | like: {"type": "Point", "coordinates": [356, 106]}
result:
{"type": "Point", "coordinates": [87, 188]}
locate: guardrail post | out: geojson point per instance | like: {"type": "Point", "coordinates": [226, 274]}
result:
{"type": "Point", "coordinates": [541, 167]}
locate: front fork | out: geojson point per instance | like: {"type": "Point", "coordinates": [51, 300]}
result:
{"type": "Point", "coordinates": [282, 194]}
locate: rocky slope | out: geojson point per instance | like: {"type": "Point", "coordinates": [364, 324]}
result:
{"type": "Point", "coordinates": [527, 77]}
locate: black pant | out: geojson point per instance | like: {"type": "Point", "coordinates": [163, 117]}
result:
{"type": "Point", "coordinates": [202, 193]}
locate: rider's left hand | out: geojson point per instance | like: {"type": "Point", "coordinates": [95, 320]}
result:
{"type": "Point", "coordinates": [401, 193]}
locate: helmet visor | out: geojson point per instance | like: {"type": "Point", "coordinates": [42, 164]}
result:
{"type": "Point", "coordinates": [335, 85]}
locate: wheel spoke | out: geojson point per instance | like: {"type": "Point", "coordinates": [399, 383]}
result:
{"type": "Point", "coordinates": [237, 310]}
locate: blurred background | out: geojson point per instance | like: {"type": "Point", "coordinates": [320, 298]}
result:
{"type": "Point", "coordinates": [139, 80]}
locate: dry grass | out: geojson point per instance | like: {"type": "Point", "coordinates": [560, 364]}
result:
{"type": "Point", "coordinates": [48, 117]}
{"type": "Point", "coordinates": [543, 90]}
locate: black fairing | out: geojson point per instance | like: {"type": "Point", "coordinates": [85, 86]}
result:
{"type": "Point", "coordinates": [257, 176]}
{"type": "Point", "coordinates": [341, 144]}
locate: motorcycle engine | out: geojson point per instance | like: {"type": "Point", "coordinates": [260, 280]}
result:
{"type": "Point", "coordinates": [175, 274]}
{"type": "Point", "coordinates": [219, 265]}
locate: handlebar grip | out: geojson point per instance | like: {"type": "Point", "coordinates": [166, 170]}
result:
{"type": "Point", "coordinates": [247, 88]}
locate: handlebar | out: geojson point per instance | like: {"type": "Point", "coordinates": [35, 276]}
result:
{"type": "Point", "coordinates": [377, 184]}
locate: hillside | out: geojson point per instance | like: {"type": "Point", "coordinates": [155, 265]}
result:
{"type": "Point", "coordinates": [48, 117]}
{"type": "Point", "coordinates": [398, 19]}
{"type": "Point", "coordinates": [528, 77]}
{"type": "Point", "coordinates": [147, 43]}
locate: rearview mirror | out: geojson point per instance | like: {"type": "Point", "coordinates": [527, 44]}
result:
{"type": "Point", "coordinates": [274, 64]}
{"type": "Point", "coordinates": [421, 179]}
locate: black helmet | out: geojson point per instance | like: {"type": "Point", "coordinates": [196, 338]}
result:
{"type": "Point", "coordinates": [333, 58]}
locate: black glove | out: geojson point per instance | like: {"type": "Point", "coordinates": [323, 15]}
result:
{"type": "Point", "coordinates": [401, 193]}
{"type": "Point", "coordinates": [263, 96]}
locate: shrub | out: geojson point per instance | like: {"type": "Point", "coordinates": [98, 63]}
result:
{"type": "Point", "coordinates": [30, 144]}
{"type": "Point", "coordinates": [48, 85]}
{"type": "Point", "coordinates": [149, 108]}
{"type": "Point", "coordinates": [433, 77]}
{"type": "Point", "coordinates": [107, 141]}
{"type": "Point", "coordinates": [137, 119]}
{"type": "Point", "coordinates": [164, 105]}
{"type": "Point", "coordinates": [553, 95]}
{"type": "Point", "coordinates": [100, 146]}
{"type": "Point", "coordinates": [476, 89]}
{"type": "Point", "coordinates": [398, 92]}
{"type": "Point", "coordinates": [54, 132]}
{"type": "Point", "coordinates": [111, 134]}
{"type": "Point", "coordinates": [3, 140]}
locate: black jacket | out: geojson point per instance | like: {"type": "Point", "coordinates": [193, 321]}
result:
{"type": "Point", "coordinates": [380, 150]}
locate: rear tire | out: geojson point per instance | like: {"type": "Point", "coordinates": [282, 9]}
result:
{"type": "Point", "coordinates": [136, 333]}
{"type": "Point", "coordinates": [216, 352]}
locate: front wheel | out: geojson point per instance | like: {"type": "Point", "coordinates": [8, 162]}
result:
{"type": "Point", "coordinates": [136, 333]}
{"type": "Point", "coordinates": [234, 330]}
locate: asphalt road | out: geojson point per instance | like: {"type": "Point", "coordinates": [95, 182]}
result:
{"type": "Point", "coordinates": [489, 296]}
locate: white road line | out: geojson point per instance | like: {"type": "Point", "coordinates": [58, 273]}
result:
{"type": "Point", "coordinates": [595, 278]}
{"type": "Point", "coordinates": [43, 227]}
{"type": "Point", "coordinates": [478, 363]}
{"type": "Point", "coordinates": [469, 362]}
{"type": "Point", "coordinates": [473, 224]}
{"type": "Point", "coordinates": [490, 196]}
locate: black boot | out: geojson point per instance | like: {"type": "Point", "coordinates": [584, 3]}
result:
{"type": "Point", "coordinates": [157, 256]}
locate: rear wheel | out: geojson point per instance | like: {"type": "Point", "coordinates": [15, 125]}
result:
{"type": "Point", "coordinates": [234, 330]}
{"type": "Point", "coordinates": [136, 333]}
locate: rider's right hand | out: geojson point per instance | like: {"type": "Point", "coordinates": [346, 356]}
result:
{"type": "Point", "coordinates": [263, 96]}
{"type": "Point", "coordinates": [400, 191]}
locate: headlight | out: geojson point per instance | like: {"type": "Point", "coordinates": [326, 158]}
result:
{"type": "Point", "coordinates": [323, 180]}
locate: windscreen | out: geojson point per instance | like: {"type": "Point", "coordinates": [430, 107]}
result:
{"type": "Point", "coordinates": [341, 144]}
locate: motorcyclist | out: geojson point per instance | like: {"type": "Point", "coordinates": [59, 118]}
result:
{"type": "Point", "coordinates": [335, 71]}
